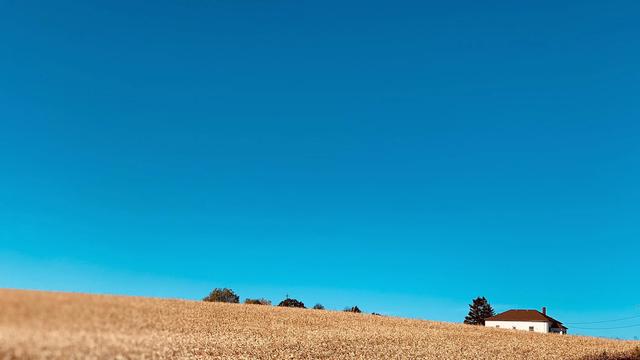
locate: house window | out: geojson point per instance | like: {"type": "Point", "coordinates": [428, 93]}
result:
{"type": "Point", "coordinates": [530, 328]}
{"type": "Point", "coordinates": [498, 326]}
{"type": "Point", "coordinates": [514, 328]}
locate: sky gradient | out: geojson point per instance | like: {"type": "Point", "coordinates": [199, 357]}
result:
{"type": "Point", "coordinates": [405, 157]}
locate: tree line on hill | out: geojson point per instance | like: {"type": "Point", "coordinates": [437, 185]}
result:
{"type": "Point", "coordinates": [479, 309]}
{"type": "Point", "coordinates": [226, 295]}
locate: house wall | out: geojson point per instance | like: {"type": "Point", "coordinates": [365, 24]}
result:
{"type": "Point", "coordinates": [541, 327]}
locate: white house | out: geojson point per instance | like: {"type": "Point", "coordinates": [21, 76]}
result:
{"type": "Point", "coordinates": [528, 320]}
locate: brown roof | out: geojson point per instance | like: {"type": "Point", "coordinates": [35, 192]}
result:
{"type": "Point", "coordinates": [526, 315]}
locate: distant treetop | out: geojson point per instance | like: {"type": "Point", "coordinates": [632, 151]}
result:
{"type": "Point", "coordinates": [292, 303]}
{"type": "Point", "coordinates": [222, 295]}
{"type": "Point", "coordinates": [353, 309]}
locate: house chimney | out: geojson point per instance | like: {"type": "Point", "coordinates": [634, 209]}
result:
{"type": "Point", "coordinates": [544, 310]}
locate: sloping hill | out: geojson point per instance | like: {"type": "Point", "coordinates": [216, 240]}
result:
{"type": "Point", "coordinates": [67, 326]}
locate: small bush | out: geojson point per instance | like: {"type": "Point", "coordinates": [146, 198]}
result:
{"type": "Point", "coordinates": [318, 306]}
{"type": "Point", "coordinates": [354, 309]}
{"type": "Point", "coordinates": [292, 303]}
{"type": "Point", "coordinates": [222, 295]}
{"type": "Point", "coordinates": [257, 301]}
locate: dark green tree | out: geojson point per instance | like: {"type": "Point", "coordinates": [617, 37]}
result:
{"type": "Point", "coordinates": [222, 295]}
{"type": "Point", "coordinates": [291, 303]}
{"type": "Point", "coordinates": [479, 310]}
{"type": "Point", "coordinates": [353, 309]}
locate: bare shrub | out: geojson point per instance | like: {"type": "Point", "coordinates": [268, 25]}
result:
{"type": "Point", "coordinates": [261, 301]}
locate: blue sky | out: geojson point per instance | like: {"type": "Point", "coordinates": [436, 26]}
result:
{"type": "Point", "coordinates": [404, 156]}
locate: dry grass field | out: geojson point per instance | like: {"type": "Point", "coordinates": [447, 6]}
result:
{"type": "Point", "coordinates": [46, 325]}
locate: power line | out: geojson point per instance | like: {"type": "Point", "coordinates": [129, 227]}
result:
{"type": "Point", "coordinates": [603, 321]}
{"type": "Point", "coordinates": [606, 328]}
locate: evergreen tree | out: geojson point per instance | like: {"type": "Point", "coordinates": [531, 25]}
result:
{"type": "Point", "coordinates": [479, 310]}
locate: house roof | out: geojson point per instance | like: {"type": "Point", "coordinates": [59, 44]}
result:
{"type": "Point", "coordinates": [526, 315]}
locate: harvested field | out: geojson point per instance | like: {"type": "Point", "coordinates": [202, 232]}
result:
{"type": "Point", "coordinates": [38, 325]}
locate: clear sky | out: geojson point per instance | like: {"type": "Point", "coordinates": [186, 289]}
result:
{"type": "Point", "coordinates": [402, 156]}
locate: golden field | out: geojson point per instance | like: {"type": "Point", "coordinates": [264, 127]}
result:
{"type": "Point", "coordinates": [48, 325]}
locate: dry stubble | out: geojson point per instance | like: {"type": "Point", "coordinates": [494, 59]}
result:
{"type": "Point", "coordinates": [46, 325]}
